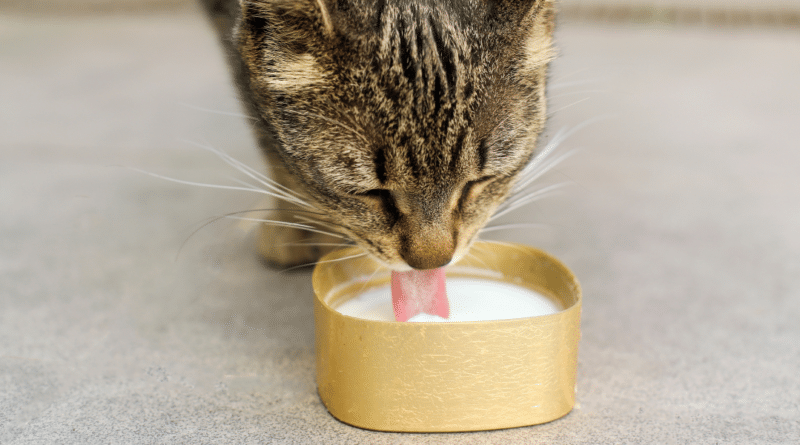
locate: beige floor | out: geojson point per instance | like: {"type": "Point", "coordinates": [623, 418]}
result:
{"type": "Point", "coordinates": [681, 221]}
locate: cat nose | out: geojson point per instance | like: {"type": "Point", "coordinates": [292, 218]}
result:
{"type": "Point", "coordinates": [422, 262]}
{"type": "Point", "coordinates": [428, 249]}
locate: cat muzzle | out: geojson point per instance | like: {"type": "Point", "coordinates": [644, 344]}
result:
{"type": "Point", "coordinates": [428, 247]}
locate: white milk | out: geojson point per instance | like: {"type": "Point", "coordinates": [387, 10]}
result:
{"type": "Point", "coordinates": [470, 300]}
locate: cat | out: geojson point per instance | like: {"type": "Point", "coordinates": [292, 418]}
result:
{"type": "Point", "coordinates": [398, 125]}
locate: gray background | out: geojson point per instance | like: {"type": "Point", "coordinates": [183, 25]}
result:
{"type": "Point", "coordinates": [680, 218]}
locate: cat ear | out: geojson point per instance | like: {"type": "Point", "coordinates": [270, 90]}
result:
{"type": "Point", "coordinates": [514, 12]}
{"type": "Point", "coordinates": [291, 10]}
{"type": "Point", "coordinates": [326, 16]}
{"type": "Point", "coordinates": [529, 25]}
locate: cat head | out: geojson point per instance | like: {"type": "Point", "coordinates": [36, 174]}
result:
{"type": "Point", "coordinates": [404, 122]}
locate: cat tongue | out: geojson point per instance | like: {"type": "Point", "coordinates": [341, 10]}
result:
{"type": "Point", "coordinates": [418, 291]}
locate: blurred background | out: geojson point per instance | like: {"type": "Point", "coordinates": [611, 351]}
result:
{"type": "Point", "coordinates": [123, 318]}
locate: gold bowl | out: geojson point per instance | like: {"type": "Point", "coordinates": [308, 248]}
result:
{"type": "Point", "coordinates": [455, 376]}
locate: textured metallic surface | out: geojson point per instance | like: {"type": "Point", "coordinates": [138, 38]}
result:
{"type": "Point", "coordinates": [437, 377]}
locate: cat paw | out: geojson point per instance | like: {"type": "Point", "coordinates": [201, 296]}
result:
{"type": "Point", "coordinates": [283, 247]}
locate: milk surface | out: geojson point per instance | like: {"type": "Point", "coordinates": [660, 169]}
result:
{"type": "Point", "coordinates": [470, 300]}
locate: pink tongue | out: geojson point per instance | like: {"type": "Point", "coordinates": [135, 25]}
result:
{"type": "Point", "coordinates": [418, 291]}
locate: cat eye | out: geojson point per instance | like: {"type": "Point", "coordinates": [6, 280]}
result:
{"type": "Point", "coordinates": [374, 193]}
{"type": "Point", "coordinates": [472, 188]}
{"type": "Point", "coordinates": [480, 181]}
{"type": "Point", "coordinates": [386, 200]}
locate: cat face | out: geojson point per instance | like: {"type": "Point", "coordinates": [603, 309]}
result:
{"type": "Point", "coordinates": [404, 123]}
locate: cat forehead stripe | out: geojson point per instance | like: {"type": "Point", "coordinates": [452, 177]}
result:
{"type": "Point", "coordinates": [426, 60]}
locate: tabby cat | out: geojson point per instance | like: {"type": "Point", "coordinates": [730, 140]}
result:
{"type": "Point", "coordinates": [398, 124]}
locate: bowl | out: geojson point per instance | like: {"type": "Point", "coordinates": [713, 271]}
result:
{"type": "Point", "coordinates": [453, 376]}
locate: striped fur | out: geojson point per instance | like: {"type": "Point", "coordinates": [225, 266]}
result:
{"type": "Point", "coordinates": [405, 122]}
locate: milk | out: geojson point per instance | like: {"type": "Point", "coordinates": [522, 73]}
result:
{"type": "Point", "coordinates": [471, 299]}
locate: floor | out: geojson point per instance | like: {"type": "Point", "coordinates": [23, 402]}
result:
{"type": "Point", "coordinates": [125, 319]}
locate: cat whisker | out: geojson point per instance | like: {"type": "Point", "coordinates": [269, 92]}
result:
{"type": "Point", "coordinates": [245, 183]}
{"type": "Point", "coordinates": [217, 186]}
{"type": "Point", "coordinates": [574, 83]}
{"type": "Point", "coordinates": [559, 137]}
{"type": "Point", "coordinates": [298, 203]}
{"type": "Point", "coordinates": [532, 194]}
{"type": "Point", "coordinates": [331, 225]}
{"type": "Point", "coordinates": [552, 112]}
{"type": "Point", "coordinates": [556, 141]}
{"type": "Point", "coordinates": [572, 93]}
{"type": "Point", "coordinates": [289, 224]}
{"type": "Point", "coordinates": [244, 168]}
{"type": "Point", "coordinates": [531, 176]}
{"type": "Point", "coordinates": [510, 206]}
{"type": "Point", "coordinates": [285, 193]}
{"type": "Point", "coordinates": [202, 184]}
{"type": "Point", "coordinates": [477, 258]}
{"type": "Point", "coordinates": [377, 269]}
{"type": "Point", "coordinates": [561, 84]}
{"type": "Point", "coordinates": [227, 215]}
{"type": "Point", "coordinates": [314, 263]}
{"type": "Point", "coordinates": [272, 209]}
{"type": "Point", "coordinates": [511, 226]}
{"type": "Point", "coordinates": [536, 168]}
{"type": "Point", "coordinates": [332, 121]}
{"type": "Point", "coordinates": [320, 244]}
{"type": "Point", "coordinates": [224, 113]}
{"type": "Point", "coordinates": [472, 254]}
{"type": "Point", "coordinates": [511, 245]}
